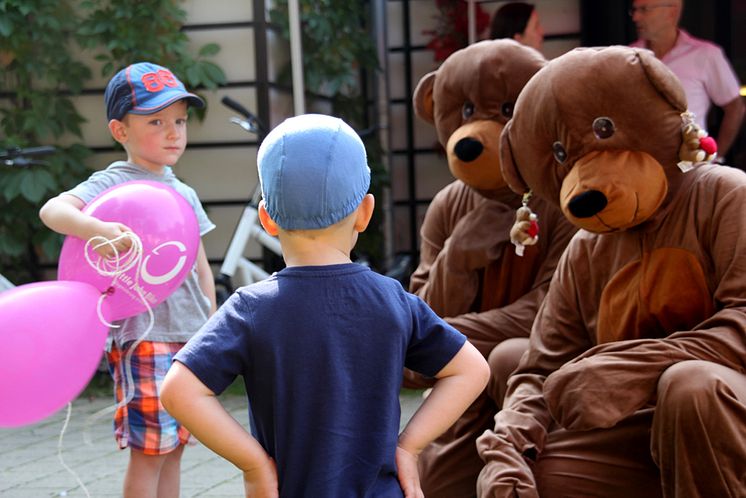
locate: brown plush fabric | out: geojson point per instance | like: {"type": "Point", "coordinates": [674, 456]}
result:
{"type": "Point", "coordinates": [469, 272]}
{"type": "Point", "coordinates": [644, 325]}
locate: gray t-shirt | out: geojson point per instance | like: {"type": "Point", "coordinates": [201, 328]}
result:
{"type": "Point", "coordinates": [182, 314]}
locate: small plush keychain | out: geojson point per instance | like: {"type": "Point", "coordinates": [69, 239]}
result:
{"type": "Point", "coordinates": [697, 147]}
{"type": "Point", "coordinates": [525, 230]}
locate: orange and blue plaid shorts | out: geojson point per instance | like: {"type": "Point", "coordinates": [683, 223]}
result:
{"type": "Point", "coordinates": [143, 423]}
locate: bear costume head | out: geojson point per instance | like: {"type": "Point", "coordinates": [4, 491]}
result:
{"type": "Point", "coordinates": [469, 99]}
{"type": "Point", "coordinates": [603, 133]}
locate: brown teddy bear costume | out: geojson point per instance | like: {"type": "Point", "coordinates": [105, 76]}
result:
{"type": "Point", "coordinates": [469, 272]}
{"type": "Point", "coordinates": [633, 384]}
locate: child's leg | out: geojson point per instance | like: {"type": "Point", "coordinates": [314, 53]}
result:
{"type": "Point", "coordinates": [153, 476]}
{"type": "Point", "coordinates": [142, 477]}
{"type": "Point", "coordinates": [169, 482]}
{"type": "Point", "coordinates": [156, 439]}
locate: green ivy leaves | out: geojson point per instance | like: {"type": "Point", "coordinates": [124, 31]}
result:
{"type": "Point", "coordinates": [42, 43]}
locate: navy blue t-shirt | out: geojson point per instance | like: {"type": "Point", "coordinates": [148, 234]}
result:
{"type": "Point", "coordinates": [322, 350]}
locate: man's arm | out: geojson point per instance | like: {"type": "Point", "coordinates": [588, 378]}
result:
{"type": "Point", "coordinates": [195, 406]}
{"type": "Point", "coordinates": [733, 113]}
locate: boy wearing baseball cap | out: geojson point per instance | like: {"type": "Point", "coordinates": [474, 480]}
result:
{"type": "Point", "coordinates": [321, 345]}
{"type": "Point", "coordinates": [146, 107]}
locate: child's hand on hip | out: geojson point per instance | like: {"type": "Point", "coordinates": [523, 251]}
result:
{"type": "Point", "coordinates": [262, 482]}
{"type": "Point", "coordinates": [409, 477]}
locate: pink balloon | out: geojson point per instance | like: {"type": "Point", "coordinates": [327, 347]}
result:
{"type": "Point", "coordinates": [52, 341]}
{"type": "Point", "coordinates": [168, 229]}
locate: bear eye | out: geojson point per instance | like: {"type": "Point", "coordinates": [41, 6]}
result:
{"type": "Point", "coordinates": [603, 127]}
{"type": "Point", "coordinates": [560, 154]}
{"type": "Point", "coordinates": [467, 110]}
{"type": "Point", "coordinates": [507, 109]}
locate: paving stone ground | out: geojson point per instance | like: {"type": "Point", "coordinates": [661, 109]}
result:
{"type": "Point", "coordinates": [30, 466]}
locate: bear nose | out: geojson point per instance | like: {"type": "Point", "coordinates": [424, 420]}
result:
{"type": "Point", "coordinates": [587, 204]}
{"type": "Point", "coordinates": [468, 149]}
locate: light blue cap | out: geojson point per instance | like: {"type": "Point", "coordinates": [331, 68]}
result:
{"type": "Point", "coordinates": [313, 172]}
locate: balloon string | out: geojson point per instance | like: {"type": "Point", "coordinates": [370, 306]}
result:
{"type": "Point", "coordinates": [59, 451]}
{"type": "Point", "coordinates": [128, 379]}
{"type": "Point", "coordinates": [101, 315]}
{"type": "Point", "coordinates": [114, 266]}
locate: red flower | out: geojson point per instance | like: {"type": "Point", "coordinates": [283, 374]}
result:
{"type": "Point", "coordinates": [451, 31]}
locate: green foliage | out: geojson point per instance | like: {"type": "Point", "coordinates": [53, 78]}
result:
{"type": "Point", "coordinates": [121, 33]}
{"type": "Point", "coordinates": [39, 76]}
{"type": "Point", "coordinates": [336, 43]}
{"type": "Point", "coordinates": [36, 67]}
{"type": "Point", "coordinates": [338, 55]}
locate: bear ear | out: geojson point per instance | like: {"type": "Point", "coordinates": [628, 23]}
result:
{"type": "Point", "coordinates": [662, 79]}
{"type": "Point", "coordinates": [423, 98]}
{"type": "Point", "coordinates": [510, 173]}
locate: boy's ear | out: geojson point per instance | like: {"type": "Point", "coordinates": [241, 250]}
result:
{"type": "Point", "coordinates": [365, 212]}
{"type": "Point", "coordinates": [118, 131]}
{"type": "Point", "coordinates": [268, 223]}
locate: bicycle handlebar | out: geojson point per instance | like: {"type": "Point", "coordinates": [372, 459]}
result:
{"type": "Point", "coordinates": [17, 156]}
{"type": "Point", "coordinates": [43, 150]}
{"type": "Point", "coordinates": [254, 124]}
{"type": "Point", "coordinates": [232, 104]}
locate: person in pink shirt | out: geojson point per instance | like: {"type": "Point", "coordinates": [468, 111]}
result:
{"type": "Point", "coordinates": [700, 65]}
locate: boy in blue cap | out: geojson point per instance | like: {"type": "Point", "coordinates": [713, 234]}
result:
{"type": "Point", "coordinates": [146, 107]}
{"type": "Point", "coordinates": [321, 345]}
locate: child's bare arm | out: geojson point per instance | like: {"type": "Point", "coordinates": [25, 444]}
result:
{"type": "Point", "coordinates": [193, 404]}
{"type": "Point", "coordinates": [409, 478]}
{"type": "Point", "coordinates": [63, 215]}
{"type": "Point", "coordinates": [459, 383]}
{"type": "Point", "coordinates": [205, 277]}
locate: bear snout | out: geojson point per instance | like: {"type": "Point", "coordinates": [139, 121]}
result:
{"type": "Point", "coordinates": [587, 204]}
{"type": "Point", "coordinates": [468, 149]}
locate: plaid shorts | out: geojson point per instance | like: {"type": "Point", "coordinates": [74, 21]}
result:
{"type": "Point", "coordinates": [144, 424]}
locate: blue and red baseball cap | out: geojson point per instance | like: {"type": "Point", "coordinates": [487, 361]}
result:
{"type": "Point", "coordinates": [144, 88]}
